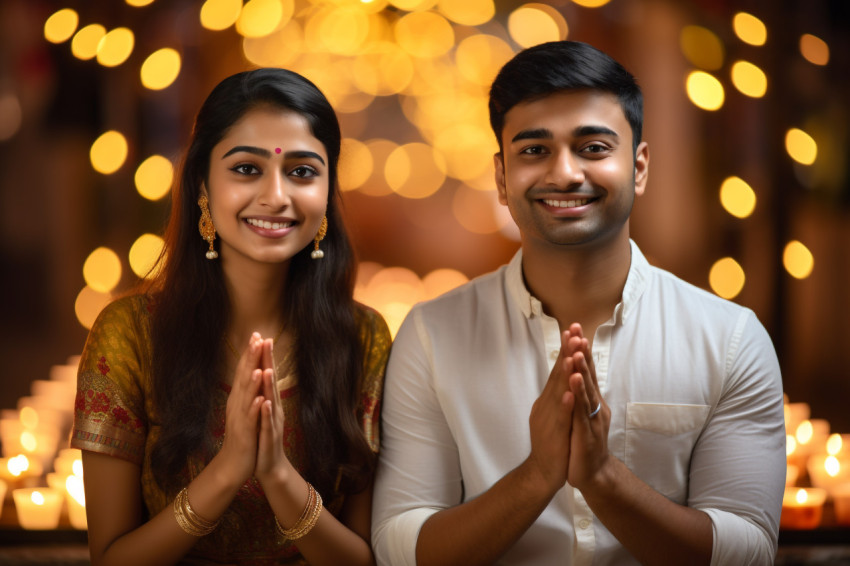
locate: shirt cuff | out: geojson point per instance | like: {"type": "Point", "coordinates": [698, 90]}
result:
{"type": "Point", "coordinates": [395, 538]}
{"type": "Point", "coordinates": [738, 541]}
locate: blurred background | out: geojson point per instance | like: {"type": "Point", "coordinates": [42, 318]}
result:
{"type": "Point", "coordinates": [746, 117]}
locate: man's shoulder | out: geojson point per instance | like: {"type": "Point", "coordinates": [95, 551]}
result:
{"type": "Point", "coordinates": [484, 287]}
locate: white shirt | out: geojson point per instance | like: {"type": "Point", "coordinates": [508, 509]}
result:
{"type": "Point", "coordinates": [692, 382]}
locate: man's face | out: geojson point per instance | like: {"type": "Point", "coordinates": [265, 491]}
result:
{"type": "Point", "coordinates": [567, 172]}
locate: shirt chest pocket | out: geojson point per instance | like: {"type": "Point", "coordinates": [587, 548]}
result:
{"type": "Point", "coordinates": [660, 438]}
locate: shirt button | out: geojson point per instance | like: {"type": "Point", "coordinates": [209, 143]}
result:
{"type": "Point", "coordinates": [554, 354]}
{"type": "Point", "coordinates": [584, 523]}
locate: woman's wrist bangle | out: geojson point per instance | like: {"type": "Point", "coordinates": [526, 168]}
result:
{"type": "Point", "coordinates": [309, 517]}
{"type": "Point", "coordinates": [191, 523]}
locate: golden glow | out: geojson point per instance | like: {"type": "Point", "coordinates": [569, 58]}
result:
{"type": "Point", "coordinates": [108, 152]}
{"type": "Point", "coordinates": [412, 171]}
{"type": "Point", "coordinates": [75, 488]}
{"type": "Point", "coordinates": [376, 185]}
{"type": "Point", "coordinates": [705, 91]}
{"type": "Point", "coordinates": [468, 12]}
{"type": "Point", "coordinates": [801, 146]}
{"type": "Point", "coordinates": [261, 17]}
{"type": "Point", "coordinates": [798, 261]}
{"type": "Point", "coordinates": [217, 15]}
{"type": "Point", "coordinates": [833, 444]}
{"type": "Point", "coordinates": [479, 58]}
{"type": "Point", "coordinates": [424, 34]}
{"type": "Point", "coordinates": [814, 49]}
{"type": "Point", "coordinates": [102, 270]}
{"type": "Point", "coordinates": [726, 278]}
{"type": "Point", "coordinates": [441, 281]}
{"type": "Point", "coordinates": [474, 210]}
{"type": "Point", "coordinates": [467, 148]}
{"type": "Point", "coordinates": [801, 496]}
{"type": "Point", "coordinates": [749, 29]}
{"type": "Point", "coordinates": [61, 25]}
{"type": "Point", "coordinates": [139, 3]}
{"type": "Point", "coordinates": [115, 47]}
{"type": "Point", "coordinates": [278, 49]}
{"type": "Point", "coordinates": [805, 431]}
{"type": "Point", "coordinates": [832, 466]}
{"type": "Point", "coordinates": [702, 47]}
{"type": "Point", "coordinates": [343, 30]}
{"type": "Point", "coordinates": [11, 115]}
{"type": "Point", "coordinates": [160, 69]}
{"type": "Point", "coordinates": [29, 418]}
{"type": "Point", "coordinates": [591, 3]}
{"type": "Point", "coordinates": [532, 24]}
{"type": "Point", "coordinates": [85, 43]}
{"type": "Point", "coordinates": [154, 177]}
{"type": "Point", "coordinates": [749, 79]}
{"type": "Point", "coordinates": [28, 441]}
{"type": "Point", "coordinates": [413, 5]}
{"type": "Point", "coordinates": [18, 465]}
{"type": "Point", "coordinates": [355, 164]}
{"type": "Point", "coordinates": [88, 305]}
{"type": "Point", "coordinates": [144, 254]}
{"type": "Point", "coordinates": [737, 197]}
{"type": "Point", "coordinates": [385, 72]}
{"type": "Point", "coordinates": [790, 444]}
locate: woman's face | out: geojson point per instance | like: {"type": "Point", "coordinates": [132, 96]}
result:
{"type": "Point", "coordinates": [268, 187]}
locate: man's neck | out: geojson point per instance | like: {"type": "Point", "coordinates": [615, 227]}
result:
{"type": "Point", "coordinates": [578, 284]}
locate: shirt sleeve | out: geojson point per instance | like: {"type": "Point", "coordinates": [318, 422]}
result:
{"type": "Point", "coordinates": [376, 339]}
{"type": "Point", "coordinates": [738, 466]}
{"type": "Point", "coordinates": [109, 415]}
{"type": "Point", "coordinates": [418, 467]}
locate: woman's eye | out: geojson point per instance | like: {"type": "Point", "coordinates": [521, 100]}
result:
{"type": "Point", "coordinates": [246, 169]}
{"type": "Point", "coordinates": [303, 171]}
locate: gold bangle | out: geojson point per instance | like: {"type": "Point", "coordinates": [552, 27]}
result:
{"type": "Point", "coordinates": [309, 517]}
{"type": "Point", "coordinates": [191, 523]}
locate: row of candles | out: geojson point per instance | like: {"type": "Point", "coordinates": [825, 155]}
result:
{"type": "Point", "coordinates": [41, 477]}
{"type": "Point", "coordinates": [818, 470]}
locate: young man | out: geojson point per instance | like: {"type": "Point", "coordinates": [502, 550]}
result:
{"type": "Point", "coordinates": [505, 440]}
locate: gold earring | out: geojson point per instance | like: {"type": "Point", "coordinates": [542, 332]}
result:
{"type": "Point", "coordinates": [320, 235]}
{"type": "Point", "coordinates": [205, 226]}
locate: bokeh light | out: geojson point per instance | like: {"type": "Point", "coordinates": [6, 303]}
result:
{"type": "Point", "coordinates": [262, 17]}
{"type": "Point", "coordinates": [814, 49]}
{"type": "Point", "coordinates": [591, 3]}
{"type": "Point", "coordinates": [701, 47]}
{"type": "Point", "coordinates": [801, 146]}
{"type": "Point", "coordinates": [102, 270]}
{"type": "Point", "coordinates": [160, 69]}
{"type": "Point", "coordinates": [115, 47]}
{"type": "Point", "coordinates": [532, 24]}
{"type": "Point", "coordinates": [88, 305]}
{"type": "Point", "coordinates": [412, 170]}
{"type": "Point", "coordinates": [468, 12]}
{"type": "Point", "coordinates": [108, 152]}
{"type": "Point", "coordinates": [442, 281]}
{"type": "Point", "coordinates": [413, 5]}
{"type": "Point", "coordinates": [154, 177]}
{"type": "Point", "coordinates": [278, 49]}
{"type": "Point", "coordinates": [376, 184]}
{"type": "Point", "coordinates": [144, 254]}
{"type": "Point", "coordinates": [11, 115]}
{"type": "Point", "coordinates": [749, 79]}
{"type": "Point", "coordinates": [383, 71]}
{"type": "Point", "coordinates": [217, 15]}
{"type": "Point", "coordinates": [726, 278]}
{"type": "Point", "coordinates": [705, 91]}
{"type": "Point", "coordinates": [479, 58]}
{"type": "Point", "coordinates": [139, 3]}
{"type": "Point", "coordinates": [86, 41]}
{"type": "Point", "coordinates": [61, 25]}
{"type": "Point", "coordinates": [424, 34]}
{"type": "Point", "coordinates": [355, 164]}
{"type": "Point", "coordinates": [737, 197]}
{"type": "Point", "coordinates": [475, 210]}
{"type": "Point", "coordinates": [749, 29]}
{"type": "Point", "coordinates": [798, 260]}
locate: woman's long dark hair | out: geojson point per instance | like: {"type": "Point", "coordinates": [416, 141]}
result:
{"type": "Point", "coordinates": [191, 308]}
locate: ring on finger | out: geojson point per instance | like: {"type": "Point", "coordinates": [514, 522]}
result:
{"type": "Point", "coordinates": [595, 411]}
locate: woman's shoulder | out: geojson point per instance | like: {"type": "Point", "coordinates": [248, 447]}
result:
{"type": "Point", "coordinates": [370, 322]}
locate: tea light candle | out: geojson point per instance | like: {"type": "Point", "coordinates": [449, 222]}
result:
{"type": "Point", "coordinates": [38, 508]}
{"type": "Point", "coordinates": [76, 498]}
{"type": "Point", "coordinates": [18, 467]}
{"type": "Point", "coordinates": [841, 501]}
{"type": "Point", "coordinates": [791, 473]}
{"type": "Point", "coordinates": [802, 508]}
{"type": "Point", "coordinates": [828, 471]}
{"type": "Point", "coordinates": [64, 462]}
{"type": "Point", "coordinates": [795, 413]}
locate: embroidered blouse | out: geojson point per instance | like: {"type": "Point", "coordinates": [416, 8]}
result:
{"type": "Point", "coordinates": [115, 415]}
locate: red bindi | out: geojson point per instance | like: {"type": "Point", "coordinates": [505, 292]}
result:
{"type": "Point", "coordinates": [277, 150]}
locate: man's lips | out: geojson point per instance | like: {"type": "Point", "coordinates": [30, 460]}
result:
{"type": "Point", "coordinates": [572, 203]}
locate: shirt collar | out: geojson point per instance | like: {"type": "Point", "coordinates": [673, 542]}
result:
{"type": "Point", "coordinates": [632, 291]}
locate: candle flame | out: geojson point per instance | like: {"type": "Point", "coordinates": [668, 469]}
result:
{"type": "Point", "coordinates": [802, 496]}
{"type": "Point", "coordinates": [29, 418]}
{"type": "Point", "coordinates": [74, 485]}
{"type": "Point", "coordinates": [790, 445]}
{"type": "Point", "coordinates": [833, 444]}
{"type": "Point", "coordinates": [28, 441]}
{"type": "Point", "coordinates": [832, 465]}
{"type": "Point", "coordinates": [77, 467]}
{"type": "Point", "coordinates": [805, 432]}
{"type": "Point", "coordinates": [37, 498]}
{"type": "Point", "coordinates": [18, 465]}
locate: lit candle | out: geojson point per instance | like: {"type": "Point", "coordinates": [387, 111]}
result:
{"type": "Point", "coordinates": [76, 498]}
{"type": "Point", "coordinates": [791, 473]}
{"type": "Point", "coordinates": [841, 500]}
{"type": "Point", "coordinates": [802, 508]}
{"type": "Point", "coordinates": [795, 413]}
{"type": "Point", "coordinates": [38, 508]}
{"type": "Point", "coordinates": [17, 468]}
{"type": "Point", "coordinates": [828, 471]}
{"type": "Point", "coordinates": [64, 462]}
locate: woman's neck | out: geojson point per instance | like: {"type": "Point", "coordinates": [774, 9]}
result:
{"type": "Point", "coordinates": [256, 299]}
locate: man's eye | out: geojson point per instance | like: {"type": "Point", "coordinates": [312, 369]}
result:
{"type": "Point", "coordinates": [533, 150]}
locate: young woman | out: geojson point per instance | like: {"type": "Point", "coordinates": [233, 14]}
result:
{"type": "Point", "coordinates": [228, 412]}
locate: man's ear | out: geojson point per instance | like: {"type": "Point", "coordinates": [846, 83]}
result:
{"type": "Point", "coordinates": [641, 167]}
{"type": "Point", "coordinates": [499, 166]}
